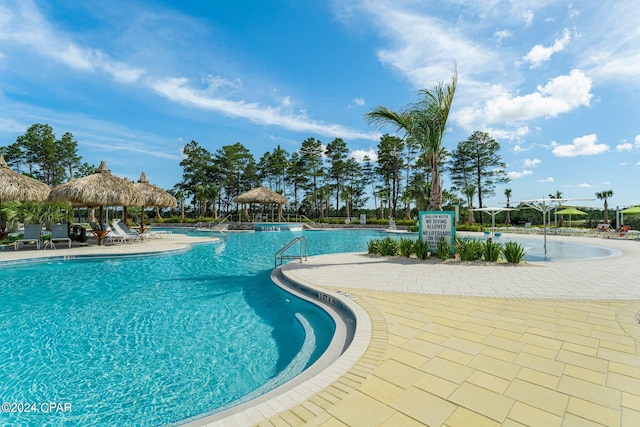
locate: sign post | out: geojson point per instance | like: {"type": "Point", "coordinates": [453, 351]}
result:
{"type": "Point", "coordinates": [434, 225]}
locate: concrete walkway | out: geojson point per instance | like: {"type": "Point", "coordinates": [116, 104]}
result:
{"type": "Point", "coordinates": [550, 344]}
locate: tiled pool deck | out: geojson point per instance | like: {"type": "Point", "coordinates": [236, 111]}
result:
{"type": "Point", "coordinates": [473, 345]}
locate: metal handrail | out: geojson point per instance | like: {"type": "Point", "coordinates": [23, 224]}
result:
{"type": "Point", "coordinates": [281, 251]}
{"type": "Point", "coordinates": [317, 224]}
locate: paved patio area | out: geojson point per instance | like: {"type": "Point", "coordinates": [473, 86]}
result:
{"type": "Point", "coordinates": [550, 344]}
{"type": "Point", "coordinates": [451, 344]}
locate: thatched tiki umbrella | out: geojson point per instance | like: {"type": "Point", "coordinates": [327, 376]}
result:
{"type": "Point", "coordinates": [15, 187]}
{"type": "Point", "coordinates": [263, 196]}
{"type": "Point", "coordinates": [153, 196]}
{"type": "Point", "coordinates": [97, 190]}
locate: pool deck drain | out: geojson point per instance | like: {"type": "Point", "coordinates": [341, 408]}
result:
{"type": "Point", "coordinates": [472, 345]}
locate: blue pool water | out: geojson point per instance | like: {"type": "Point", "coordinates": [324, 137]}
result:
{"type": "Point", "coordinates": [155, 340]}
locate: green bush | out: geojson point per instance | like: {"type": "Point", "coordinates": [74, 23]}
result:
{"type": "Point", "coordinates": [469, 249]}
{"type": "Point", "coordinates": [372, 246]}
{"type": "Point", "coordinates": [421, 249]}
{"type": "Point", "coordinates": [384, 247]}
{"type": "Point", "coordinates": [465, 227]}
{"type": "Point", "coordinates": [492, 251]}
{"type": "Point", "coordinates": [413, 229]}
{"type": "Point", "coordinates": [443, 248]}
{"type": "Point", "coordinates": [406, 246]}
{"type": "Point", "coordinates": [513, 252]}
{"type": "Point", "coordinates": [388, 247]}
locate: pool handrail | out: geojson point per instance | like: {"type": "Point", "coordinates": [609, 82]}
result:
{"type": "Point", "coordinates": [281, 251]}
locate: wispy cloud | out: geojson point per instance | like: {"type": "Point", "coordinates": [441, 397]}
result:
{"type": "Point", "coordinates": [519, 174]}
{"type": "Point", "coordinates": [582, 146]}
{"type": "Point", "coordinates": [547, 179]}
{"type": "Point", "coordinates": [25, 26]}
{"type": "Point", "coordinates": [179, 90]}
{"type": "Point", "coordinates": [540, 54]}
{"type": "Point", "coordinates": [531, 163]}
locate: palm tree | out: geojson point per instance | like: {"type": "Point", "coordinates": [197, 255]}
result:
{"type": "Point", "coordinates": [557, 195]}
{"type": "Point", "coordinates": [425, 123]}
{"type": "Point", "coordinates": [507, 194]}
{"type": "Point", "coordinates": [604, 195]}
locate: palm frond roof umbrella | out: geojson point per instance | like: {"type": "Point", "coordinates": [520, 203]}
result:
{"type": "Point", "coordinates": [262, 195]}
{"type": "Point", "coordinates": [153, 196]}
{"type": "Point", "coordinates": [15, 187]}
{"type": "Point", "coordinates": [99, 189]}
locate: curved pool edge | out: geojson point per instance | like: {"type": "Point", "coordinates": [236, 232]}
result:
{"type": "Point", "coordinates": [338, 360]}
{"type": "Point", "coordinates": [169, 245]}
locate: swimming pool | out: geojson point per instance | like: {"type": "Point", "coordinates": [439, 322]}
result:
{"type": "Point", "coordinates": [155, 340]}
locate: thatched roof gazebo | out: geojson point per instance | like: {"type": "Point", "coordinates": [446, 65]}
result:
{"type": "Point", "coordinates": [153, 196]}
{"type": "Point", "coordinates": [15, 187]}
{"type": "Point", "coordinates": [261, 195]}
{"type": "Point", "coordinates": [98, 190]}
{"type": "Point", "coordinates": [20, 188]}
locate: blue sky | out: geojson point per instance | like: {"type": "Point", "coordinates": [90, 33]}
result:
{"type": "Point", "coordinates": [557, 83]}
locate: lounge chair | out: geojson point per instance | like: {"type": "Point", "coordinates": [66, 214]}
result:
{"type": "Point", "coordinates": [126, 233]}
{"type": "Point", "coordinates": [60, 233]}
{"type": "Point", "coordinates": [32, 234]}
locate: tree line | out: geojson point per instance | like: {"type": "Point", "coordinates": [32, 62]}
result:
{"type": "Point", "coordinates": [320, 180]}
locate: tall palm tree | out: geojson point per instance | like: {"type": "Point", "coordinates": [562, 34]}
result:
{"type": "Point", "coordinates": [425, 123]}
{"type": "Point", "coordinates": [604, 195]}
{"type": "Point", "coordinates": [559, 220]}
{"type": "Point", "coordinates": [507, 194]}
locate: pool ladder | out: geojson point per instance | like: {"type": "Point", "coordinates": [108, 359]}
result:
{"type": "Point", "coordinates": [304, 250]}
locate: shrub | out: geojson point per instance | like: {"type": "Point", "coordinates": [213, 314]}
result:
{"type": "Point", "coordinates": [492, 251]}
{"type": "Point", "coordinates": [372, 246]}
{"type": "Point", "coordinates": [388, 247]}
{"type": "Point", "coordinates": [466, 227]}
{"type": "Point", "coordinates": [469, 249]}
{"type": "Point", "coordinates": [443, 248]}
{"type": "Point", "coordinates": [406, 246]}
{"type": "Point", "coordinates": [421, 249]}
{"type": "Point", "coordinates": [513, 252]}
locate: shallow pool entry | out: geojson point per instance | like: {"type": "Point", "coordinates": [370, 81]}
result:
{"type": "Point", "coordinates": [148, 341]}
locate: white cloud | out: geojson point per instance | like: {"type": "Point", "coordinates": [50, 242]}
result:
{"type": "Point", "coordinates": [547, 179]}
{"type": "Point", "coordinates": [585, 185]}
{"type": "Point", "coordinates": [624, 146]}
{"type": "Point", "coordinates": [358, 155]}
{"type": "Point", "coordinates": [501, 35]}
{"type": "Point", "coordinates": [358, 101]}
{"type": "Point", "coordinates": [521, 174]}
{"type": "Point", "coordinates": [560, 95]}
{"type": "Point", "coordinates": [582, 146]}
{"type": "Point", "coordinates": [24, 25]}
{"type": "Point", "coordinates": [531, 163]}
{"type": "Point", "coordinates": [421, 46]}
{"type": "Point", "coordinates": [540, 54]}
{"type": "Point", "coordinates": [178, 90]}
{"type": "Point", "coordinates": [636, 140]}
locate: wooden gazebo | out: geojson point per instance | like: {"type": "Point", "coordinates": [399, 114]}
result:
{"type": "Point", "coordinates": [261, 195]}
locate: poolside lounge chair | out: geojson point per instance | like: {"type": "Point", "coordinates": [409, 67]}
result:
{"type": "Point", "coordinates": [126, 233]}
{"type": "Point", "coordinates": [32, 234]}
{"type": "Point", "coordinates": [60, 233]}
